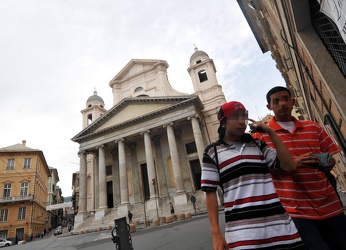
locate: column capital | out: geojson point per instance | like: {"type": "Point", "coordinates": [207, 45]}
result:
{"type": "Point", "coordinates": [120, 140]}
{"type": "Point", "coordinates": [100, 146]}
{"type": "Point", "coordinates": [170, 123]}
{"type": "Point", "coordinates": [145, 132]}
{"type": "Point", "coordinates": [80, 152]}
{"type": "Point", "coordinates": [194, 116]}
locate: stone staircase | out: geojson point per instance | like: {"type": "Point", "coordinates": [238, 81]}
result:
{"type": "Point", "coordinates": [140, 213]}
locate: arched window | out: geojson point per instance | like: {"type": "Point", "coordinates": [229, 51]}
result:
{"type": "Point", "coordinates": [138, 89]}
{"type": "Point", "coordinates": [90, 118]}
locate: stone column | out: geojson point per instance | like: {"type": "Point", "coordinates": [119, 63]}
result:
{"type": "Point", "coordinates": [82, 203]}
{"type": "Point", "coordinates": [184, 165]}
{"type": "Point", "coordinates": [175, 159]}
{"type": "Point", "coordinates": [96, 180]}
{"type": "Point", "coordinates": [150, 162]}
{"type": "Point", "coordinates": [115, 172]}
{"type": "Point", "coordinates": [124, 194]}
{"type": "Point", "coordinates": [160, 167]}
{"type": "Point", "coordinates": [102, 179]}
{"type": "Point", "coordinates": [135, 174]}
{"type": "Point", "coordinates": [198, 137]}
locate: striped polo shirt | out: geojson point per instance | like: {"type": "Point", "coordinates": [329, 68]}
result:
{"type": "Point", "coordinates": [255, 218]}
{"type": "Point", "coordinates": [305, 193]}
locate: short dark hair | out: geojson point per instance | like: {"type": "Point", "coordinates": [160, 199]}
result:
{"type": "Point", "coordinates": [275, 90]}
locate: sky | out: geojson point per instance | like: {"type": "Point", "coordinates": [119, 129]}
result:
{"type": "Point", "coordinates": [55, 53]}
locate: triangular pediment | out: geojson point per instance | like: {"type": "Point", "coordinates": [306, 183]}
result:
{"type": "Point", "coordinates": [135, 110]}
{"type": "Point", "coordinates": [136, 67]}
{"type": "Point", "coordinates": [132, 111]}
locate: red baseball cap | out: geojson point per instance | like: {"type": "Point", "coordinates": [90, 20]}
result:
{"type": "Point", "coordinates": [229, 109]}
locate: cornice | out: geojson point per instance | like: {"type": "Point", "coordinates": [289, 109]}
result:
{"type": "Point", "coordinates": [182, 101]}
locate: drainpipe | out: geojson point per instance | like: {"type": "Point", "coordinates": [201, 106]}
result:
{"type": "Point", "coordinates": [33, 197]}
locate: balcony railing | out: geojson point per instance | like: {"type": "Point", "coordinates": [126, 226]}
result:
{"type": "Point", "coordinates": [16, 198]}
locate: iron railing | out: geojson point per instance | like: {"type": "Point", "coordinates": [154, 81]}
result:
{"type": "Point", "coordinates": [329, 34]}
{"type": "Point", "coordinates": [16, 198]}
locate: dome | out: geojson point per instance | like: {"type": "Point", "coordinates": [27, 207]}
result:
{"type": "Point", "coordinates": [95, 99]}
{"type": "Point", "coordinates": [198, 53]}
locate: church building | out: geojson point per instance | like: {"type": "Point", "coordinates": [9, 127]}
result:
{"type": "Point", "coordinates": [146, 151]}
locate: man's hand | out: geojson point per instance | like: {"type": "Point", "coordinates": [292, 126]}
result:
{"type": "Point", "coordinates": [219, 242]}
{"type": "Point", "coordinates": [307, 160]}
{"type": "Point", "coordinates": [258, 126]}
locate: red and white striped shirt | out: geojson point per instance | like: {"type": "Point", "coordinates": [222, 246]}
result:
{"type": "Point", "coordinates": [255, 218]}
{"type": "Point", "coordinates": [305, 193]}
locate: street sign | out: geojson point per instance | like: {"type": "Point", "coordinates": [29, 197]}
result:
{"type": "Point", "coordinates": [193, 199]}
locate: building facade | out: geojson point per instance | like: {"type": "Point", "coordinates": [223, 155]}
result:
{"type": "Point", "coordinates": [146, 150]}
{"type": "Point", "coordinates": [310, 53]}
{"type": "Point", "coordinates": [53, 196]}
{"type": "Point", "coordinates": [24, 181]}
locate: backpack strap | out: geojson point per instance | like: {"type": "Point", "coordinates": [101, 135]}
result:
{"type": "Point", "coordinates": [217, 166]}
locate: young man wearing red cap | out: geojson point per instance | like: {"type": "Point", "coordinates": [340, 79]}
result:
{"type": "Point", "coordinates": [306, 193]}
{"type": "Point", "coordinates": [255, 218]}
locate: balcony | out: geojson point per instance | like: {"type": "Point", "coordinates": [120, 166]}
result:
{"type": "Point", "coordinates": [16, 198]}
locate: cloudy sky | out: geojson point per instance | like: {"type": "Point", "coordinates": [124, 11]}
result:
{"type": "Point", "coordinates": [53, 54]}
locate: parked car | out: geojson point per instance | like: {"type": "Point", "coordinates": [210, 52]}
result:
{"type": "Point", "coordinates": [5, 243]}
{"type": "Point", "coordinates": [58, 230]}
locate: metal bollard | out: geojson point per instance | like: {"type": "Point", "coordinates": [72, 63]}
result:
{"type": "Point", "coordinates": [122, 238]}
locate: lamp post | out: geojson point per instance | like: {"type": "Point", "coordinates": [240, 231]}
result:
{"type": "Point", "coordinates": [153, 182]}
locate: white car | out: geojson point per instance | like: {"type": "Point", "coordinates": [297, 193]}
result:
{"type": "Point", "coordinates": [58, 230]}
{"type": "Point", "coordinates": [5, 243]}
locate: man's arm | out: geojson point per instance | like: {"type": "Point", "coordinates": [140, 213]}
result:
{"type": "Point", "coordinates": [286, 160]}
{"type": "Point", "coordinates": [219, 242]}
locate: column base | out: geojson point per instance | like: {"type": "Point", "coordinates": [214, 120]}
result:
{"type": "Point", "coordinates": [151, 204]}
{"type": "Point", "coordinates": [79, 218]}
{"type": "Point", "coordinates": [100, 213]}
{"type": "Point", "coordinates": [180, 198]}
{"type": "Point", "coordinates": [123, 209]}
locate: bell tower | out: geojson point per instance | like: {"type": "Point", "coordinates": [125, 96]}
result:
{"type": "Point", "coordinates": [203, 75]}
{"type": "Point", "coordinates": [94, 109]}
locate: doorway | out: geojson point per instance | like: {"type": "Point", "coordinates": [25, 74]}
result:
{"type": "Point", "coordinates": [110, 201]}
{"type": "Point", "coordinates": [196, 173]}
{"type": "Point", "coordinates": [20, 233]}
{"type": "Point", "coordinates": [146, 190]}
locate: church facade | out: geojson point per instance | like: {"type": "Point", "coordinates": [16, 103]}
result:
{"type": "Point", "coordinates": [145, 152]}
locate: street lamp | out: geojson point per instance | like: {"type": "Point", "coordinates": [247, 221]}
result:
{"type": "Point", "coordinates": [153, 182]}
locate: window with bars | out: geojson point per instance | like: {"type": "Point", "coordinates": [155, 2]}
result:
{"type": "Point", "coordinates": [108, 170]}
{"type": "Point", "coordinates": [7, 190]}
{"type": "Point", "coordinates": [24, 189]}
{"type": "Point", "coordinates": [10, 164]}
{"type": "Point", "coordinates": [21, 213]}
{"type": "Point", "coordinates": [191, 148]}
{"type": "Point", "coordinates": [329, 34]}
{"type": "Point", "coordinates": [3, 215]}
{"type": "Point", "coordinates": [27, 163]}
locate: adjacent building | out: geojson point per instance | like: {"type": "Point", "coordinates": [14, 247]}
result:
{"type": "Point", "coordinates": [146, 150]}
{"type": "Point", "coordinates": [309, 49]}
{"type": "Point", "coordinates": [53, 196]}
{"type": "Point", "coordinates": [24, 175]}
